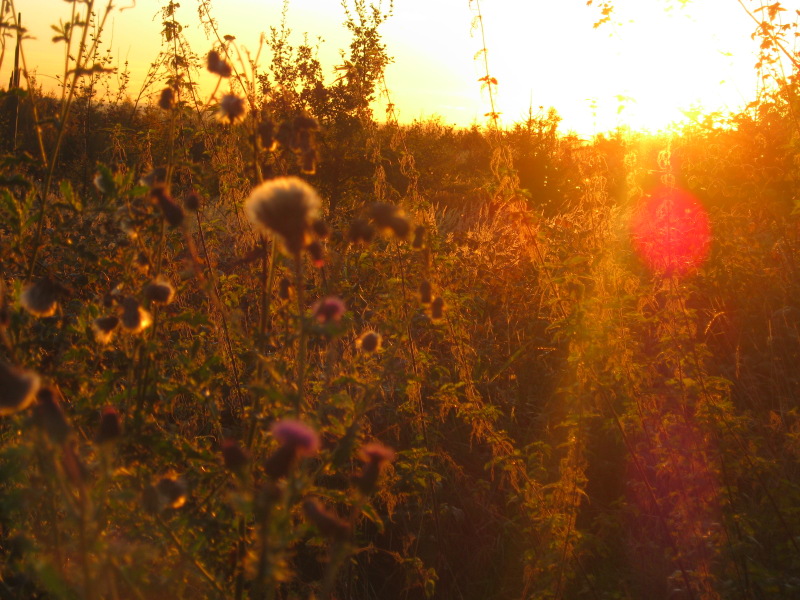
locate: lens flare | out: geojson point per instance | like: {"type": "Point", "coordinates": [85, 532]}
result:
{"type": "Point", "coordinates": [670, 231]}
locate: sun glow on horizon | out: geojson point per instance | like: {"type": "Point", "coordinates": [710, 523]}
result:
{"type": "Point", "coordinates": [654, 65]}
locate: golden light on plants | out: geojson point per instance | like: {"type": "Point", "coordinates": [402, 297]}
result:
{"type": "Point", "coordinates": [261, 338]}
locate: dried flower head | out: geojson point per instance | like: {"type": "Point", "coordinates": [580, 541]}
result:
{"type": "Point", "coordinates": [329, 309]}
{"type": "Point", "coordinates": [192, 201]}
{"type": "Point", "coordinates": [287, 206]}
{"type": "Point", "coordinates": [437, 308]}
{"type": "Point", "coordinates": [389, 217]}
{"type": "Point", "coordinates": [266, 134]}
{"type": "Point", "coordinates": [166, 100]}
{"type": "Point", "coordinates": [159, 290]}
{"type": "Point", "coordinates": [419, 237]}
{"type": "Point", "coordinates": [425, 292]}
{"type": "Point", "coordinates": [173, 213]}
{"type": "Point", "coordinates": [134, 319]}
{"type": "Point", "coordinates": [17, 389]}
{"type": "Point", "coordinates": [40, 298]}
{"type": "Point", "coordinates": [375, 456]}
{"type": "Point", "coordinates": [103, 328]}
{"type": "Point", "coordinates": [234, 456]}
{"type": "Point", "coordinates": [360, 232]}
{"type": "Point", "coordinates": [369, 341]}
{"type": "Point", "coordinates": [110, 427]}
{"type": "Point", "coordinates": [49, 416]}
{"type": "Point", "coordinates": [232, 109]}
{"type": "Point", "coordinates": [218, 65]}
{"type": "Point", "coordinates": [325, 521]}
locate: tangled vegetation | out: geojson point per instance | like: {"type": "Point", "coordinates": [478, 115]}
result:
{"type": "Point", "coordinates": [261, 344]}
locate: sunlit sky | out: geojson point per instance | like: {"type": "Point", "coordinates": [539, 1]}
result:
{"type": "Point", "coordinates": [653, 61]}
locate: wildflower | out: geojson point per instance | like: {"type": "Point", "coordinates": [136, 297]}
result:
{"type": "Point", "coordinates": [110, 428]}
{"type": "Point", "coordinates": [419, 237]}
{"type": "Point", "coordinates": [159, 290]}
{"type": "Point", "coordinates": [287, 206]}
{"type": "Point", "coordinates": [297, 441]}
{"type": "Point", "coordinates": [135, 319]}
{"type": "Point", "coordinates": [103, 328]}
{"type": "Point", "coordinates": [375, 457]}
{"type": "Point", "coordinates": [17, 389]}
{"type": "Point", "coordinates": [166, 101]}
{"type": "Point", "coordinates": [218, 65]}
{"type": "Point", "coordinates": [360, 232]}
{"type": "Point", "coordinates": [232, 109]}
{"type": "Point", "coordinates": [234, 456]}
{"type": "Point", "coordinates": [40, 298]}
{"type": "Point", "coordinates": [425, 292]}
{"type": "Point", "coordinates": [369, 342]}
{"type": "Point", "coordinates": [437, 308]}
{"type": "Point", "coordinates": [328, 523]}
{"type": "Point", "coordinates": [329, 309]}
{"type": "Point", "coordinates": [49, 416]}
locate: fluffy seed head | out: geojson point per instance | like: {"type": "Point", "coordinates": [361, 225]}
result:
{"type": "Point", "coordinates": [369, 341]}
{"type": "Point", "coordinates": [40, 298]}
{"type": "Point", "coordinates": [288, 207]}
{"type": "Point", "coordinates": [134, 319]}
{"type": "Point", "coordinates": [103, 328]}
{"type": "Point", "coordinates": [17, 389]}
{"type": "Point", "coordinates": [232, 109]}
{"type": "Point", "coordinates": [159, 290]}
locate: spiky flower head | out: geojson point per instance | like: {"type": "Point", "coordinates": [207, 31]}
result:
{"type": "Point", "coordinates": [218, 65]}
{"type": "Point", "coordinates": [391, 218]}
{"type": "Point", "coordinates": [232, 109]}
{"type": "Point", "coordinates": [166, 101]}
{"type": "Point", "coordinates": [296, 434]}
{"type": "Point", "coordinates": [17, 389]}
{"type": "Point", "coordinates": [369, 341]}
{"type": "Point", "coordinates": [103, 328]}
{"type": "Point", "coordinates": [134, 319]}
{"type": "Point", "coordinates": [159, 290]}
{"type": "Point", "coordinates": [288, 207]}
{"type": "Point", "coordinates": [375, 457]}
{"type": "Point", "coordinates": [40, 298]}
{"type": "Point", "coordinates": [297, 440]}
{"type": "Point", "coordinates": [329, 309]}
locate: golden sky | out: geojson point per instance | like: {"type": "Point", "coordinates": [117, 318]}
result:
{"type": "Point", "coordinates": [655, 60]}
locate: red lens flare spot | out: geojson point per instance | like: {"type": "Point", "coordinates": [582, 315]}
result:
{"type": "Point", "coordinates": [671, 232]}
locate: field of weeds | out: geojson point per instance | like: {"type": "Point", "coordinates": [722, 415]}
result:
{"type": "Point", "coordinates": [259, 343]}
